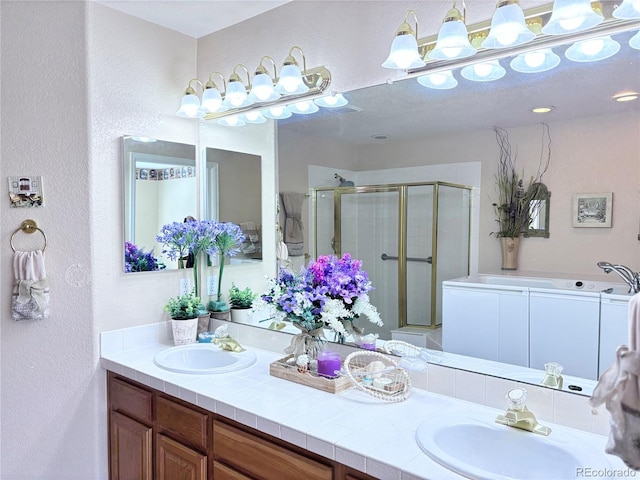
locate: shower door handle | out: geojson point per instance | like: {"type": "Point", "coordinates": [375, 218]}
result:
{"type": "Point", "coordinates": [333, 245]}
{"type": "Point", "coordinates": [429, 260]}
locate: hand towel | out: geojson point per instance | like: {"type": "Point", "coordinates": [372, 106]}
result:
{"type": "Point", "coordinates": [30, 300]}
{"type": "Point", "coordinates": [293, 227]}
{"type": "Point", "coordinates": [619, 389]}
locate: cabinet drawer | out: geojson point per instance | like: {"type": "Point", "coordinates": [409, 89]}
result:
{"type": "Point", "coordinates": [130, 400]}
{"type": "Point", "coordinates": [222, 472]}
{"type": "Point", "coordinates": [185, 423]}
{"type": "Point", "coordinates": [261, 459]}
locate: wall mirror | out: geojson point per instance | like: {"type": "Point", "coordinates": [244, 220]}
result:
{"type": "Point", "coordinates": [405, 113]}
{"type": "Point", "coordinates": [234, 194]}
{"type": "Point", "coordinates": [160, 187]}
{"type": "Point", "coordinates": [539, 208]}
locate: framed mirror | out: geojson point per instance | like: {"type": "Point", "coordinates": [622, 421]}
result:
{"type": "Point", "coordinates": [539, 211]}
{"type": "Point", "coordinates": [160, 186]}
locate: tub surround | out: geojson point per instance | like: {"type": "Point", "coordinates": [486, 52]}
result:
{"type": "Point", "coordinates": [362, 433]}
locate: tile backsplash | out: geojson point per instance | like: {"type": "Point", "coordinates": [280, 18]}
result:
{"type": "Point", "coordinates": [547, 404]}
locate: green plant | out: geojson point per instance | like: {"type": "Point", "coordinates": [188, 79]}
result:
{"type": "Point", "coordinates": [513, 213]}
{"type": "Point", "coordinates": [183, 307]}
{"type": "Point", "coordinates": [241, 298]}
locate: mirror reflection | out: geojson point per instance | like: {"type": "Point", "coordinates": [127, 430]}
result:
{"type": "Point", "coordinates": [160, 185]}
{"type": "Point", "coordinates": [539, 208]}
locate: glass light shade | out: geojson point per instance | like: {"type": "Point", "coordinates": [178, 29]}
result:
{"type": "Point", "coordinates": [569, 16]}
{"type": "Point", "coordinates": [634, 42]}
{"type": "Point", "coordinates": [439, 81]}
{"type": "Point", "coordinates": [508, 28]}
{"type": "Point", "coordinates": [404, 53]}
{"type": "Point", "coordinates": [303, 108]}
{"type": "Point", "coordinates": [190, 107]}
{"type": "Point", "coordinates": [628, 10]}
{"type": "Point", "coordinates": [253, 116]}
{"type": "Point", "coordinates": [212, 101]}
{"type": "Point", "coordinates": [276, 113]}
{"type": "Point", "coordinates": [453, 42]}
{"type": "Point", "coordinates": [483, 72]}
{"type": "Point", "coordinates": [535, 62]}
{"type": "Point", "coordinates": [231, 121]}
{"type": "Point", "coordinates": [331, 101]}
{"type": "Point", "coordinates": [592, 50]}
{"type": "Point", "coordinates": [236, 95]}
{"type": "Point", "coordinates": [290, 82]}
{"type": "Point", "coordinates": [262, 88]}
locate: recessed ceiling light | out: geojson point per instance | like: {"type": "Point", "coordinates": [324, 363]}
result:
{"type": "Point", "coordinates": [380, 136]}
{"type": "Point", "coordinates": [625, 96]}
{"type": "Point", "coordinates": [543, 109]}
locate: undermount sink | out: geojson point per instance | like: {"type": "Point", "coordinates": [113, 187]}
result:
{"type": "Point", "coordinates": [476, 447]}
{"type": "Point", "coordinates": [203, 359]}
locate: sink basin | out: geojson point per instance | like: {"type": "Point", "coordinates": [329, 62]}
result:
{"type": "Point", "coordinates": [476, 447]}
{"type": "Point", "coordinates": [203, 358]}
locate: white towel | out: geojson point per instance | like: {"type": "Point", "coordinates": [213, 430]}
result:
{"type": "Point", "coordinates": [30, 300]}
{"type": "Point", "coordinates": [619, 389]}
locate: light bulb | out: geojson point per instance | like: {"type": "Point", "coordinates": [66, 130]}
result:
{"type": "Point", "coordinates": [506, 34]}
{"type": "Point", "coordinates": [534, 59]}
{"type": "Point", "coordinates": [592, 47]}
{"type": "Point", "coordinates": [331, 100]}
{"type": "Point", "coordinates": [404, 53]}
{"type": "Point", "coordinates": [252, 116]}
{"type": "Point", "coordinates": [211, 100]}
{"type": "Point", "coordinates": [290, 78]}
{"type": "Point", "coordinates": [276, 111]}
{"type": "Point", "coordinates": [482, 69]}
{"type": "Point", "coordinates": [438, 78]}
{"type": "Point", "coordinates": [571, 24]}
{"type": "Point", "coordinates": [303, 106]}
{"type": "Point", "coordinates": [262, 86]}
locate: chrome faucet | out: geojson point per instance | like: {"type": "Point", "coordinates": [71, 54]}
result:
{"type": "Point", "coordinates": [519, 416]}
{"type": "Point", "coordinates": [630, 278]}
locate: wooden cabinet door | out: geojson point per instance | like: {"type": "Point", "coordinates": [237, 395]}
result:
{"type": "Point", "coordinates": [130, 448]}
{"type": "Point", "coordinates": [222, 472]}
{"type": "Point", "coordinates": [174, 460]}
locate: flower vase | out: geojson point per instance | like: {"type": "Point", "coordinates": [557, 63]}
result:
{"type": "Point", "coordinates": [509, 247]}
{"type": "Point", "coordinates": [308, 343]}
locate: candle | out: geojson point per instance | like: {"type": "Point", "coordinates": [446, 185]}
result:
{"type": "Point", "coordinates": [328, 363]}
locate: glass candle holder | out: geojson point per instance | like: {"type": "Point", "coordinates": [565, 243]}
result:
{"type": "Point", "coordinates": [328, 364]}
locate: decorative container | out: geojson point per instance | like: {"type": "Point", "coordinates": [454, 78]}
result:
{"type": "Point", "coordinates": [286, 369]}
{"type": "Point", "coordinates": [241, 315]}
{"type": "Point", "coordinates": [184, 331]}
{"type": "Point", "coordinates": [510, 247]}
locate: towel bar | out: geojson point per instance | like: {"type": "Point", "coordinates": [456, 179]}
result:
{"type": "Point", "coordinates": [28, 226]}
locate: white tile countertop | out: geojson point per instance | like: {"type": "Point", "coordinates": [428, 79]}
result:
{"type": "Point", "coordinates": [351, 427]}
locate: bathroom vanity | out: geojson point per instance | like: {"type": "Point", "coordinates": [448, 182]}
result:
{"type": "Point", "coordinates": [528, 320]}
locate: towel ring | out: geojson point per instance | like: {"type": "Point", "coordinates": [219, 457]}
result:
{"type": "Point", "coordinates": [29, 226]}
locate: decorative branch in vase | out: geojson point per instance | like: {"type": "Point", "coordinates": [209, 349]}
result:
{"type": "Point", "coordinates": [513, 209]}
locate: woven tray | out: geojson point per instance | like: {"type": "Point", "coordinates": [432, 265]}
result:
{"type": "Point", "coordinates": [282, 369]}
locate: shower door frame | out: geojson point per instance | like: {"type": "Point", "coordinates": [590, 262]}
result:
{"type": "Point", "coordinates": [402, 189]}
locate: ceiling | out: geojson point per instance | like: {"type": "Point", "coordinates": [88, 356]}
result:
{"type": "Point", "coordinates": [194, 18]}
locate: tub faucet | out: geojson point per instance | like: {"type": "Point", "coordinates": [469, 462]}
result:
{"type": "Point", "coordinates": [630, 278]}
{"type": "Point", "coordinates": [519, 416]}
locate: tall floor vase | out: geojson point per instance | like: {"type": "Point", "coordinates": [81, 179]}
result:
{"type": "Point", "coordinates": [510, 247]}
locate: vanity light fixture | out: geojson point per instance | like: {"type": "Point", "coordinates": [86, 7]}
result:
{"type": "Point", "coordinates": [404, 48]}
{"type": "Point", "coordinates": [484, 71]}
{"type": "Point", "coordinates": [438, 81]}
{"type": "Point", "coordinates": [304, 107]}
{"type": "Point", "coordinates": [592, 50]}
{"type": "Point", "coordinates": [628, 10]}
{"type": "Point", "coordinates": [190, 104]}
{"type": "Point", "coordinates": [536, 61]}
{"type": "Point", "coordinates": [290, 81]}
{"type": "Point", "coordinates": [253, 116]}
{"type": "Point", "coordinates": [453, 38]}
{"type": "Point", "coordinates": [570, 16]}
{"type": "Point", "coordinates": [331, 101]}
{"type": "Point", "coordinates": [543, 109]}
{"type": "Point", "coordinates": [279, 112]}
{"type": "Point", "coordinates": [262, 89]}
{"type": "Point", "coordinates": [626, 96]}
{"type": "Point", "coordinates": [508, 26]}
{"type": "Point", "coordinates": [634, 42]}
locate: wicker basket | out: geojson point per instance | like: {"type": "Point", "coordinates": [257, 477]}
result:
{"type": "Point", "coordinates": [378, 376]}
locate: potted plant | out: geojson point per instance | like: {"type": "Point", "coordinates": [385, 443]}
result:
{"type": "Point", "coordinates": [513, 211]}
{"type": "Point", "coordinates": [184, 311]}
{"type": "Point", "coordinates": [241, 302]}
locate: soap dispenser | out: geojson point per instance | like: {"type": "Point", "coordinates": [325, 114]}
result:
{"type": "Point", "coordinates": [552, 378]}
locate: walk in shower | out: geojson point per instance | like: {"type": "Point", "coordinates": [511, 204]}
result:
{"type": "Point", "coordinates": [410, 237]}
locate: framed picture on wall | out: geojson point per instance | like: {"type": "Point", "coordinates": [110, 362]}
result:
{"type": "Point", "coordinates": [592, 209]}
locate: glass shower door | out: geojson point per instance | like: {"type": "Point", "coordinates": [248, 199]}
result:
{"type": "Point", "coordinates": [368, 227]}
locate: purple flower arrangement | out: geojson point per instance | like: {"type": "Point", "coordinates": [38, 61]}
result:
{"type": "Point", "coordinates": [137, 260]}
{"type": "Point", "coordinates": [200, 237]}
{"type": "Point", "coordinates": [330, 292]}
